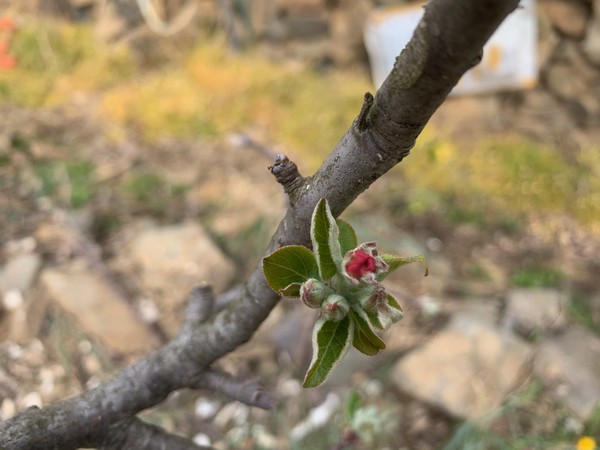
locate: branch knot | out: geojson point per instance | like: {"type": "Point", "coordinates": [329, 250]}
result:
{"type": "Point", "coordinates": [286, 173]}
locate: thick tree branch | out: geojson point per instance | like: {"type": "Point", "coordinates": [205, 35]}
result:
{"type": "Point", "coordinates": [448, 41]}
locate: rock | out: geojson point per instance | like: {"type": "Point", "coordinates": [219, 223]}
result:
{"type": "Point", "coordinates": [170, 261]}
{"type": "Point", "coordinates": [570, 364]}
{"type": "Point", "coordinates": [467, 369]}
{"type": "Point", "coordinates": [591, 43]}
{"type": "Point", "coordinates": [25, 309]}
{"type": "Point", "coordinates": [97, 307]}
{"type": "Point", "coordinates": [569, 17]}
{"type": "Point", "coordinates": [20, 272]}
{"type": "Point", "coordinates": [536, 309]}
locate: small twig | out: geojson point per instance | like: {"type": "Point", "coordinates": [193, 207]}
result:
{"type": "Point", "coordinates": [245, 140]}
{"type": "Point", "coordinates": [200, 306]}
{"type": "Point", "coordinates": [249, 392]}
{"type": "Point", "coordinates": [227, 297]}
{"type": "Point", "coordinates": [286, 173]}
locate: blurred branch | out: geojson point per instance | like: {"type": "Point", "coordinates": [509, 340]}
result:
{"type": "Point", "coordinates": [249, 392]}
{"type": "Point", "coordinates": [447, 42]}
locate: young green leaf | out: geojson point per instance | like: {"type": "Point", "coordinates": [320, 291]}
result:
{"type": "Point", "coordinates": [394, 303]}
{"type": "Point", "coordinates": [365, 340]}
{"type": "Point", "coordinates": [293, 290]}
{"type": "Point", "coordinates": [330, 341]}
{"type": "Point", "coordinates": [287, 266]}
{"type": "Point", "coordinates": [324, 233]}
{"type": "Point", "coordinates": [348, 240]}
{"type": "Point", "coordinates": [352, 404]}
{"type": "Point", "coordinates": [395, 261]}
{"type": "Point", "coordinates": [385, 315]}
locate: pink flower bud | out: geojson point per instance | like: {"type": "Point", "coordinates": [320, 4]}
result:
{"type": "Point", "coordinates": [364, 263]}
{"type": "Point", "coordinates": [313, 292]}
{"type": "Point", "coordinates": [360, 263]}
{"type": "Point", "coordinates": [335, 308]}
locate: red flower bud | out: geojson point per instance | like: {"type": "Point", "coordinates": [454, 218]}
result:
{"type": "Point", "coordinates": [360, 263]}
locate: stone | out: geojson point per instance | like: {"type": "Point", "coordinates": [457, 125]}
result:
{"type": "Point", "coordinates": [569, 17]}
{"type": "Point", "coordinates": [20, 272]}
{"type": "Point", "coordinates": [467, 369]}
{"type": "Point", "coordinates": [170, 261]}
{"type": "Point", "coordinates": [536, 309]}
{"type": "Point", "coordinates": [569, 364]}
{"type": "Point", "coordinates": [25, 307]}
{"type": "Point", "coordinates": [97, 307]}
{"type": "Point", "coordinates": [591, 43]}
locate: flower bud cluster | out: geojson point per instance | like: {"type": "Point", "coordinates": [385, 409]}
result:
{"type": "Point", "coordinates": [357, 286]}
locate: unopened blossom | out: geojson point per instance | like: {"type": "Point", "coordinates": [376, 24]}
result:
{"type": "Point", "coordinates": [313, 292]}
{"type": "Point", "coordinates": [364, 263]}
{"type": "Point", "coordinates": [335, 308]}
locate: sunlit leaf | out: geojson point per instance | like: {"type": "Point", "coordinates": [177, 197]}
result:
{"type": "Point", "coordinates": [330, 341]}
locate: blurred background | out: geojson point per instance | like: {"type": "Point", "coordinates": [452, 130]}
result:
{"type": "Point", "coordinates": [134, 143]}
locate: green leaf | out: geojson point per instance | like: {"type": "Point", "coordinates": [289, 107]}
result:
{"type": "Point", "coordinates": [293, 290]}
{"type": "Point", "coordinates": [348, 240]}
{"type": "Point", "coordinates": [352, 404]}
{"type": "Point", "coordinates": [382, 318]}
{"type": "Point", "coordinates": [394, 303]}
{"type": "Point", "coordinates": [365, 340]}
{"type": "Point", "coordinates": [330, 341]}
{"type": "Point", "coordinates": [395, 261]}
{"type": "Point", "coordinates": [289, 265]}
{"type": "Point", "coordinates": [324, 233]}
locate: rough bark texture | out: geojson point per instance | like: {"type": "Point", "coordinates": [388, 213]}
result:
{"type": "Point", "coordinates": [448, 41]}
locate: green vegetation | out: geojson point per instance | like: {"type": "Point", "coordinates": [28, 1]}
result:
{"type": "Point", "coordinates": [70, 182]}
{"type": "Point", "coordinates": [579, 309]}
{"type": "Point", "coordinates": [150, 193]}
{"type": "Point", "coordinates": [536, 277]}
{"type": "Point", "coordinates": [499, 181]}
{"type": "Point", "coordinates": [511, 418]}
{"type": "Point", "coordinates": [210, 92]}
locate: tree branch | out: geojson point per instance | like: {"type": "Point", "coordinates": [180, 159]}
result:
{"type": "Point", "coordinates": [447, 42]}
{"type": "Point", "coordinates": [249, 392]}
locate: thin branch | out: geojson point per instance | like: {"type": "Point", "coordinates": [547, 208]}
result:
{"type": "Point", "coordinates": [200, 306]}
{"type": "Point", "coordinates": [286, 173]}
{"type": "Point", "coordinates": [249, 392]}
{"type": "Point", "coordinates": [446, 43]}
